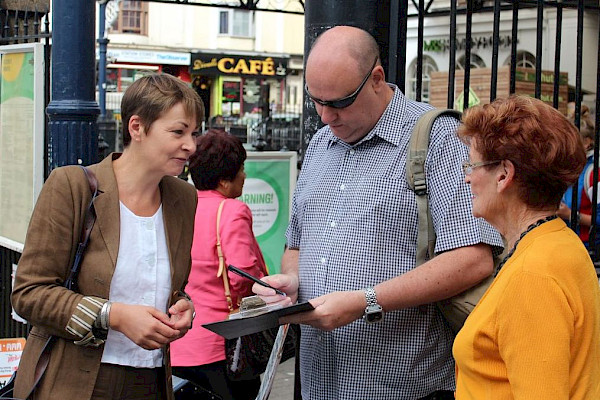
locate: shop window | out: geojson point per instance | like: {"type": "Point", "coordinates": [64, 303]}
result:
{"type": "Point", "coordinates": [236, 23]}
{"type": "Point", "coordinates": [429, 66]}
{"type": "Point", "coordinates": [132, 18]}
{"type": "Point", "coordinates": [291, 94]}
{"type": "Point", "coordinates": [476, 62]}
{"type": "Point", "coordinates": [119, 79]}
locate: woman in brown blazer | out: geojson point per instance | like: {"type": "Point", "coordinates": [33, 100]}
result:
{"type": "Point", "coordinates": [113, 333]}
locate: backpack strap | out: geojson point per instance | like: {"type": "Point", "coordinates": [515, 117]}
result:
{"type": "Point", "coordinates": [415, 178]}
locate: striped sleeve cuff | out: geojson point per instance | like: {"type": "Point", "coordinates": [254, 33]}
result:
{"type": "Point", "coordinates": [82, 320]}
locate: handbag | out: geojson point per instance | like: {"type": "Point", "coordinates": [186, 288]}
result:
{"type": "Point", "coordinates": [6, 392]}
{"type": "Point", "coordinates": [247, 356]}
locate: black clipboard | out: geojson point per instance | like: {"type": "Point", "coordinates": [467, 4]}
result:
{"type": "Point", "coordinates": [233, 328]}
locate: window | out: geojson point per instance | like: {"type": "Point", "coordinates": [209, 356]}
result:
{"type": "Point", "coordinates": [476, 62]}
{"type": "Point", "coordinates": [132, 18]}
{"type": "Point", "coordinates": [236, 23]}
{"type": "Point", "coordinates": [429, 66]}
{"type": "Point", "coordinates": [224, 22]}
{"type": "Point", "coordinates": [524, 59]}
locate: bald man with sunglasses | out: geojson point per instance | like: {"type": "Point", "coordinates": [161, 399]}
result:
{"type": "Point", "coordinates": [375, 332]}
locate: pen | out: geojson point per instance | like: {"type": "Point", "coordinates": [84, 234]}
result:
{"type": "Point", "coordinates": [253, 278]}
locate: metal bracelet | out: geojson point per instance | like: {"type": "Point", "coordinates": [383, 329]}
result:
{"type": "Point", "coordinates": [105, 315]}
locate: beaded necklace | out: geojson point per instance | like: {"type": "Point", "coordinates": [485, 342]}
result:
{"type": "Point", "coordinates": [529, 229]}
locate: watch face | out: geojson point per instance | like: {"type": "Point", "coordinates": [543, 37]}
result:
{"type": "Point", "coordinates": [373, 314]}
{"type": "Point", "coordinates": [374, 317]}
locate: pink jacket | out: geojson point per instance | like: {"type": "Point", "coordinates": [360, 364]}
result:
{"type": "Point", "coordinates": [201, 346]}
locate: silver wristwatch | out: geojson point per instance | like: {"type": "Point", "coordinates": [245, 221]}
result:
{"type": "Point", "coordinates": [373, 312]}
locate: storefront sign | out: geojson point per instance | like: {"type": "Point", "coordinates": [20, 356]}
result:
{"type": "Point", "coordinates": [220, 64]}
{"type": "Point", "coordinates": [528, 75]}
{"type": "Point", "coordinates": [147, 56]}
{"type": "Point", "coordinates": [477, 42]}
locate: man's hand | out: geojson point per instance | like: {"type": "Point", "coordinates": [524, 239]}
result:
{"type": "Point", "coordinates": [144, 325]}
{"type": "Point", "coordinates": [331, 310]}
{"type": "Point", "coordinates": [285, 282]}
{"type": "Point", "coordinates": [181, 316]}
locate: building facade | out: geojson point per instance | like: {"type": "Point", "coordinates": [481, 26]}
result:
{"type": "Point", "coordinates": [436, 52]}
{"type": "Point", "coordinates": [246, 65]}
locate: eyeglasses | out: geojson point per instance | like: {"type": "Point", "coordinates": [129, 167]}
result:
{"type": "Point", "coordinates": [344, 101]}
{"type": "Point", "coordinates": [468, 168]}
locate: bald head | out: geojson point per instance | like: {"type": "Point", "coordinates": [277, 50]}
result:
{"type": "Point", "coordinates": [349, 91]}
{"type": "Point", "coordinates": [350, 45]}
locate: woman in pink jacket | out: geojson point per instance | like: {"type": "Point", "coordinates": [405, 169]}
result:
{"type": "Point", "coordinates": [217, 169]}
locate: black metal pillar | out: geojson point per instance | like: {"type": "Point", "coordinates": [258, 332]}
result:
{"type": "Point", "coordinates": [102, 45]}
{"type": "Point", "coordinates": [370, 15]}
{"type": "Point", "coordinates": [106, 124]}
{"type": "Point", "coordinates": [72, 112]}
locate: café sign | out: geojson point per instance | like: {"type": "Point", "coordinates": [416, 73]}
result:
{"type": "Point", "coordinates": [224, 64]}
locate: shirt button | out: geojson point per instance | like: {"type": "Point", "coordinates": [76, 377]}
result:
{"type": "Point", "coordinates": [352, 152]}
{"type": "Point", "coordinates": [323, 260]}
{"type": "Point", "coordinates": [333, 224]}
{"type": "Point", "coordinates": [342, 187]}
{"type": "Point", "coordinates": [149, 225]}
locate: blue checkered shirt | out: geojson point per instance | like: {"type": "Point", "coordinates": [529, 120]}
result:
{"type": "Point", "coordinates": [354, 219]}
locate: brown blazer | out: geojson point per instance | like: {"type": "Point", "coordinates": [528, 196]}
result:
{"type": "Point", "coordinates": [52, 236]}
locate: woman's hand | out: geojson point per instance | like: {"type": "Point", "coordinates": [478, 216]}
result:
{"type": "Point", "coordinates": [146, 326]}
{"type": "Point", "coordinates": [287, 283]}
{"type": "Point", "coordinates": [182, 315]}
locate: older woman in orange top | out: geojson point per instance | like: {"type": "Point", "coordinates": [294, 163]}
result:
{"type": "Point", "coordinates": [535, 334]}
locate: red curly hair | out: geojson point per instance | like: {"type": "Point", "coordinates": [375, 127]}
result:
{"type": "Point", "coordinates": [544, 146]}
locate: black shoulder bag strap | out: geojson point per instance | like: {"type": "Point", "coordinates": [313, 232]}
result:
{"type": "Point", "coordinates": [86, 229]}
{"type": "Point", "coordinates": [71, 282]}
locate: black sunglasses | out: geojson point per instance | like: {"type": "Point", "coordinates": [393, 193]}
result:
{"type": "Point", "coordinates": [344, 101]}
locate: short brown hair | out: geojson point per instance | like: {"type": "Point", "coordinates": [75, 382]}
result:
{"type": "Point", "coordinates": [150, 96]}
{"type": "Point", "coordinates": [544, 146]}
{"type": "Point", "coordinates": [218, 155]}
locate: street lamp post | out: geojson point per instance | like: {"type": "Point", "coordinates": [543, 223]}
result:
{"type": "Point", "coordinates": [72, 112]}
{"type": "Point", "coordinates": [104, 123]}
{"type": "Point", "coordinates": [102, 45]}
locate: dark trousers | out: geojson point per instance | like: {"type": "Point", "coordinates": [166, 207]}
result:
{"type": "Point", "coordinates": [439, 395]}
{"type": "Point", "coordinates": [128, 383]}
{"type": "Point", "coordinates": [213, 378]}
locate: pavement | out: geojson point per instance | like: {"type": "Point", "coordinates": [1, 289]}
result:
{"type": "Point", "coordinates": [283, 385]}
{"type": "Point", "coordinates": [282, 389]}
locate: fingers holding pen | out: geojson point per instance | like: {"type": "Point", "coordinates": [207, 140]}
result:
{"type": "Point", "coordinates": [288, 284]}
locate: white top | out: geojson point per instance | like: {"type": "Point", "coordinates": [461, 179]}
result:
{"type": "Point", "coordinates": [143, 277]}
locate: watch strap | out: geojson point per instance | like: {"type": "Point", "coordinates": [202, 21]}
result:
{"type": "Point", "coordinates": [371, 296]}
